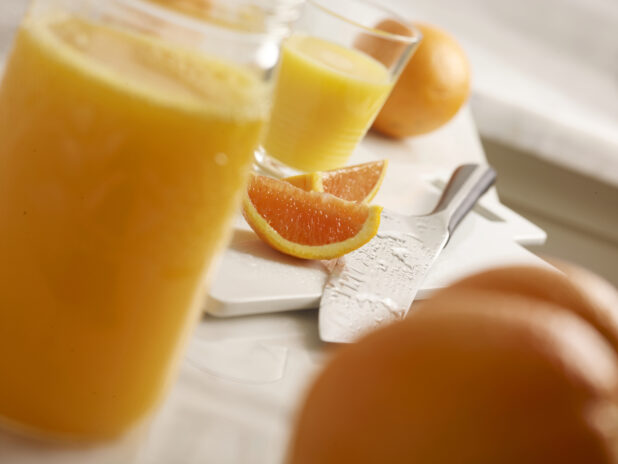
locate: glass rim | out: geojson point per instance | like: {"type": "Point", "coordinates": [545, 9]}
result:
{"type": "Point", "coordinates": [187, 21]}
{"type": "Point", "coordinates": [415, 38]}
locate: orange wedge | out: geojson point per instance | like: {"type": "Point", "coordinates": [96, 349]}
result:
{"type": "Point", "coordinates": [359, 183]}
{"type": "Point", "coordinates": [305, 224]}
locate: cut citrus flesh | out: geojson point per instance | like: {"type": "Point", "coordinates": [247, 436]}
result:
{"type": "Point", "coordinates": [359, 182]}
{"type": "Point", "coordinates": [307, 224]}
{"type": "Point", "coordinates": [310, 182]}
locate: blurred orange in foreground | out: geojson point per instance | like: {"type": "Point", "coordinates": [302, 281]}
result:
{"type": "Point", "coordinates": [516, 365]}
{"type": "Point", "coordinates": [432, 87]}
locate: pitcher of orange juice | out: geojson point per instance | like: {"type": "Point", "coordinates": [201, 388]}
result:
{"type": "Point", "coordinates": [127, 129]}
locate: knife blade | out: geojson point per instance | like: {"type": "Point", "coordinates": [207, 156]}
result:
{"type": "Point", "coordinates": [376, 284]}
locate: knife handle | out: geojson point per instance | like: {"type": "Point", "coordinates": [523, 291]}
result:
{"type": "Point", "coordinates": [467, 184]}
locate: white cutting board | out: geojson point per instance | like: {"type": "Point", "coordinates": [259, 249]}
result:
{"type": "Point", "coordinates": [253, 278]}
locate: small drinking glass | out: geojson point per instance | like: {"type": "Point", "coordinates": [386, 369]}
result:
{"type": "Point", "coordinates": [127, 131]}
{"type": "Point", "coordinates": [336, 71]}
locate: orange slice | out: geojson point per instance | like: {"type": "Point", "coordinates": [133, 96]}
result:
{"type": "Point", "coordinates": [310, 225]}
{"type": "Point", "coordinates": [359, 183]}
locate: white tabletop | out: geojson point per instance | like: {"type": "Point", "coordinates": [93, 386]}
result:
{"type": "Point", "coordinates": [241, 379]}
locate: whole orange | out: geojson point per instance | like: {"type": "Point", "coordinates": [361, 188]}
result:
{"type": "Point", "coordinates": [517, 365]}
{"type": "Point", "coordinates": [432, 87]}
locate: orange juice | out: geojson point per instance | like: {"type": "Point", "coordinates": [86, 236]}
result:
{"type": "Point", "coordinates": [122, 160]}
{"type": "Point", "coordinates": [325, 100]}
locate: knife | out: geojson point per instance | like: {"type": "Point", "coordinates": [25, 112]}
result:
{"type": "Point", "coordinates": [376, 284]}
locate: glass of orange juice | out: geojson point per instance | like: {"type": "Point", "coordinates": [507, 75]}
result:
{"type": "Point", "coordinates": [127, 130]}
{"type": "Point", "coordinates": [336, 71]}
